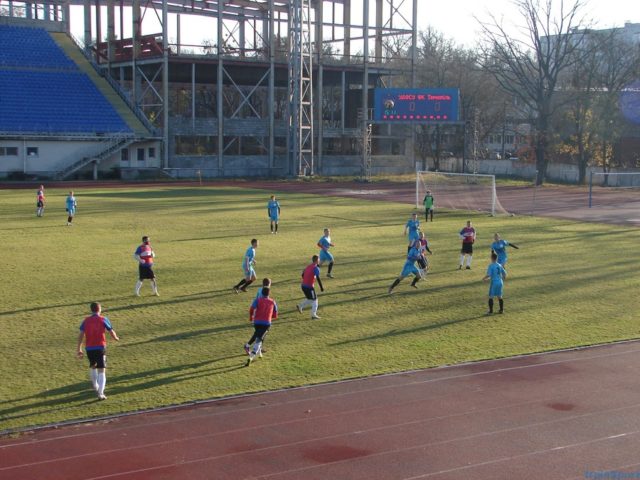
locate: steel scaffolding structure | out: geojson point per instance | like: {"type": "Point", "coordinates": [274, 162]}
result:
{"type": "Point", "coordinates": [233, 93]}
{"type": "Point", "coordinates": [301, 87]}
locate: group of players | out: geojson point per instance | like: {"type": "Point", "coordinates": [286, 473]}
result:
{"type": "Point", "coordinates": [264, 308]}
{"type": "Point", "coordinates": [70, 203]}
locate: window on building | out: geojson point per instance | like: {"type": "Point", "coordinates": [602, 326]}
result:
{"type": "Point", "coordinates": [32, 151]}
{"type": "Point", "coordinates": [196, 145]}
{"type": "Point", "coordinates": [124, 155]}
{"type": "Point", "coordinates": [152, 152]}
{"type": "Point", "coordinates": [141, 154]}
{"type": "Point", "coordinates": [8, 151]}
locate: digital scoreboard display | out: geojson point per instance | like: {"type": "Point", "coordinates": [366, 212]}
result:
{"type": "Point", "coordinates": [416, 105]}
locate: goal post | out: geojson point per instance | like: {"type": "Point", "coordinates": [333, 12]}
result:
{"type": "Point", "coordinates": [459, 191]}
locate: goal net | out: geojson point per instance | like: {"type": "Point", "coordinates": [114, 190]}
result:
{"type": "Point", "coordinates": [613, 188]}
{"type": "Point", "coordinates": [459, 191]}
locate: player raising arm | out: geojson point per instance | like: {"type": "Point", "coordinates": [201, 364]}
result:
{"type": "Point", "coordinates": [499, 246]}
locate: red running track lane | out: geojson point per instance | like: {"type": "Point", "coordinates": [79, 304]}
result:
{"type": "Point", "coordinates": [548, 416]}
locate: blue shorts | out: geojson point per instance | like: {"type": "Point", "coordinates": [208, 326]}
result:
{"type": "Point", "coordinates": [495, 290]}
{"type": "Point", "coordinates": [409, 270]}
{"type": "Point", "coordinates": [274, 217]}
{"type": "Point", "coordinates": [502, 259]}
{"type": "Point", "coordinates": [325, 256]}
{"type": "Point", "coordinates": [251, 273]}
{"type": "Point", "coordinates": [72, 211]}
{"type": "Point", "coordinates": [413, 237]}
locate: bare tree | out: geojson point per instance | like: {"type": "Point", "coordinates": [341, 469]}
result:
{"type": "Point", "coordinates": [529, 68]}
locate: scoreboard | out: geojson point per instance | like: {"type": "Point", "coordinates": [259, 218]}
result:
{"type": "Point", "coordinates": [416, 105]}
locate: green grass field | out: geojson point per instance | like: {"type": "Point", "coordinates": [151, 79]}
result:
{"type": "Point", "coordinates": [570, 284]}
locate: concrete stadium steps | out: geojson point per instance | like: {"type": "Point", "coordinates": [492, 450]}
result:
{"type": "Point", "coordinates": [72, 51]}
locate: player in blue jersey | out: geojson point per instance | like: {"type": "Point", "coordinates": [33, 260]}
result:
{"type": "Point", "coordinates": [409, 268]}
{"type": "Point", "coordinates": [248, 263]}
{"type": "Point", "coordinates": [71, 208]}
{"type": "Point", "coordinates": [413, 228]}
{"type": "Point", "coordinates": [325, 256]}
{"type": "Point", "coordinates": [273, 209]}
{"type": "Point", "coordinates": [499, 246]}
{"type": "Point", "coordinates": [496, 275]}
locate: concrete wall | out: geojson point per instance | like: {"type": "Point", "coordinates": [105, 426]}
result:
{"type": "Point", "coordinates": [556, 172]}
{"type": "Point", "coordinates": [53, 155]}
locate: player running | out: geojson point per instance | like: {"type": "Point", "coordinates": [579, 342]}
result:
{"type": "Point", "coordinates": [310, 274]}
{"type": "Point", "coordinates": [273, 209]}
{"type": "Point", "coordinates": [325, 256]}
{"type": "Point", "coordinates": [429, 203]}
{"type": "Point", "coordinates": [145, 256]}
{"type": "Point", "coordinates": [423, 246]}
{"type": "Point", "coordinates": [409, 269]}
{"type": "Point", "coordinates": [262, 311]}
{"type": "Point", "coordinates": [499, 246]}
{"type": "Point", "coordinates": [71, 208]}
{"type": "Point", "coordinates": [413, 228]}
{"type": "Point", "coordinates": [247, 267]}
{"type": "Point", "coordinates": [468, 236]}
{"type": "Point", "coordinates": [40, 201]}
{"type": "Point", "coordinates": [496, 274]}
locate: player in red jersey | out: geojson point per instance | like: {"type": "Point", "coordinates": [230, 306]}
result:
{"type": "Point", "coordinates": [92, 334]}
{"type": "Point", "coordinates": [309, 276]}
{"type": "Point", "coordinates": [468, 237]}
{"type": "Point", "coordinates": [40, 201]}
{"type": "Point", "coordinates": [262, 311]}
{"type": "Point", "coordinates": [144, 255]}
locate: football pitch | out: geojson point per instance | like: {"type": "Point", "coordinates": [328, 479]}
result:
{"type": "Point", "coordinates": [569, 284]}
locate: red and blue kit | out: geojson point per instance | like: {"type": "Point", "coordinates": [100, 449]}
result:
{"type": "Point", "coordinates": [309, 275]}
{"type": "Point", "coordinates": [263, 310]}
{"type": "Point", "coordinates": [145, 252]}
{"type": "Point", "coordinates": [468, 234]}
{"type": "Point", "coordinates": [94, 328]}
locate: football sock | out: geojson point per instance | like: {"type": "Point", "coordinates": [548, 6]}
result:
{"type": "Point", "coordinates": [247, 283]}
{"type": "Point", "coordinates": [102, 382]}
{"type": "Point", "coordinates": [491, 304]}
{"type": "Point", "coordinates": [469, 258]}
{"type": "Point", "coordinates": [276, 227]}
{"type": "Point", "coordinates": [154, 286]}
{"type": "Point", "coordinates": [271, 226]}
{"type": "Point", "coordinates": [415, 280]}
{"type": "Point", "coordinates": [93, 375]}
{"type": "Point", "coordinates": [314, 307]}
{"type": "Point", "coordinates": [69, 219]}
{"type": "Point", "coordinates": [138, 285]}
{"type": "Point", "coordinates": [257, 346]}
{"type": "Point", "coordinates": [461, 260]}
{"type": "Point", "coordinates": [330, 268]}
{"type": "Point", "coordinates": [395, 283]}
{"type": "Point", "coordinates": [501, 302]}
{"type": "Point", "coordinates": [242, 282]}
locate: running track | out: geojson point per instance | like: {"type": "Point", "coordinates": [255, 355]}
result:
{"type": "Point", "coordinates": [561, 415]}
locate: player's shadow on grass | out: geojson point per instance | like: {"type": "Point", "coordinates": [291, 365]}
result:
{"type": "Point", "coordinates": [177, 374]}
{"type": "Point", "coordinates": [407, 331]}
{"type": "Point", "coordinates": [68, 397]}
{"type": "Point", "coordinates": [175, 337]}
{"type": "Point", "coordinates": [62, 305]}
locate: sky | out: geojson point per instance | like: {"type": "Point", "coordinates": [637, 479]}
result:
{"type": "Point", "coordinates": [455, 19]}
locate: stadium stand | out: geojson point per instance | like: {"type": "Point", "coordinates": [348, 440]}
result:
{"type": "Point", "coordinates": [43, 91]}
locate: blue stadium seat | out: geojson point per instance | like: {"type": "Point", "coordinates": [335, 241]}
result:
{"type": "Point", "coordinates": [43, 91]}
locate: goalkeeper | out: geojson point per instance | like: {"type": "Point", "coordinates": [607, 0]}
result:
{"type": "Point", "coordinates": [499, 247]}
{"type": "Point", "coordinates": [429, 203]}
